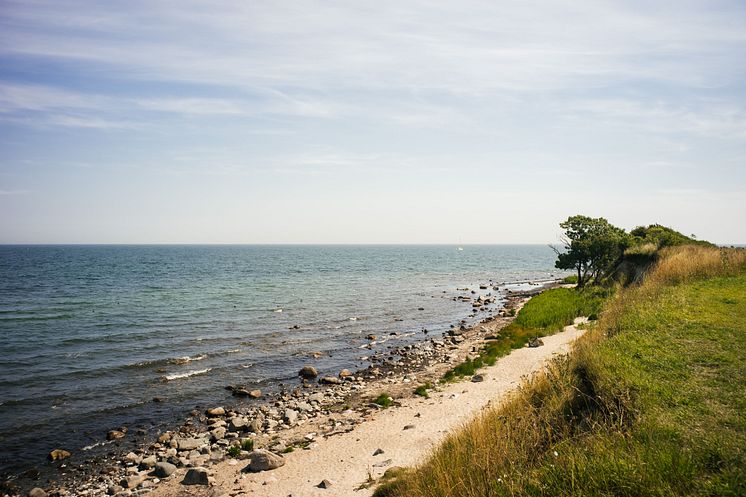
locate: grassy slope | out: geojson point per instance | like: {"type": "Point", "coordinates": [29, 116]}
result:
{"type": "Point", "coordinates": [543, 315]}
{"type": "Point", "coordinates": [651, 403]}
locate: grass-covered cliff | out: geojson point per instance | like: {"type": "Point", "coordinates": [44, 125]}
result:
{"type": "Point", "coordinates": [651, 401]}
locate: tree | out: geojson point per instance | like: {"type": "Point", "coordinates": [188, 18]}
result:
{"type": "Point", "coordinates": [593, 246]}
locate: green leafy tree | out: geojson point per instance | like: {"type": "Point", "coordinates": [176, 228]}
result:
{"type": "Point", "coordinates": [593, 246]}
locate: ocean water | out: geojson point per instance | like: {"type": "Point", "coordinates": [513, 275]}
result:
{"type": "Point", "coordinates": [91, 334]}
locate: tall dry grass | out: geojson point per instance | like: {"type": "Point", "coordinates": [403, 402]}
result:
{"type": "Point", "coordinates": [689, 262]}
{"type": "Point", "coordinates": [675, 265]}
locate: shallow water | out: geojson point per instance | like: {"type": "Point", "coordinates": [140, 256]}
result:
{"type": "Point", "coordinates": [91, 334]}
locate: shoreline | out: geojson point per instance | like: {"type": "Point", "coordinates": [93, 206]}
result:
{"type": "Point", "coordinates": [423, 361]}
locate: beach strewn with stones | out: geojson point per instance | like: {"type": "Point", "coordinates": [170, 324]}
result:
{"type": "Point", "coordinates": [256, 430]}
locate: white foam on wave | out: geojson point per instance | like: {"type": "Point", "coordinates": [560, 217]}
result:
{"type": "Point", "coordinates": [98, 444]}
{"type": "Point", "coordinates": [187, 374]}
{"type": "Point", "coordinates": [186, 359]}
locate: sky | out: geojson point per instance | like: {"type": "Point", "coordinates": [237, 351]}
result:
{"type": "Point", "coordinates": [369, 122]}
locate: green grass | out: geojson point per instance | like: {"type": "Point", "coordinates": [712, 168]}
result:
{"type": "Point", "coordinates": [422, 390]}
{"type": "Point", "coordinates": [570, 280]}
{"type": "Point", "coordinates": [247, 444]}
{"type": "Point", "coordinates": [651, 402]}
{"type": "Point", "coordinates": [543, 315]}
{"type": "Point", "coordinates": [234, 451]}
{"type": "Point", "coordinates": [384, 400]}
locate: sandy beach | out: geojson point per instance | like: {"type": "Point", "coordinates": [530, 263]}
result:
{"type": "Point", "coordinates": [398, 436]}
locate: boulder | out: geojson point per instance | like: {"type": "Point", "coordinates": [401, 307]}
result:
{"type": "Point", "coordinates": [37, 492]}
{"type": "Point", "coordinates": [115, 435]}
{"type": "Point", "coordinates": [190, 443]}
{"type": "Point", "coordinates": [345, 373]}
{"type": "Point", "coordinates": [238, 423]}
{"type": "Point", "coordinates": [196, 476]}
{"type": "Point", "coordinates": [133, 481]}
{"type": "Point", "coordinates": [218, 433]}
{"type": "Point", "coordinates": [308, 372]}
{"type": "Point", "coordinates": [290, 416]}
{"type": "Point", "coordinates": [255, 394]}
{"type": "Point", "coordinates": [58, 455]}
{"type": "Point", "coordinates": [164, 469]}
{"type": "Point", "coordinates": [215, 412]}
{"type": "Point", "coordinates": [324, 484]}
{"type": "Point", "coordinates": [477, 378]}
{"type": "Point", "coordinates": [330, 380]}
{"type": "Point", "coordinates": [535, 342]}
{"type": "Point", "coordinates": [148, 462]}
{"type": "Point", "coordinates": [263, 460]}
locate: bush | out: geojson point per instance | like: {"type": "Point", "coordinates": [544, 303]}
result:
{"type": "Point", "coordinates": [384, 400]}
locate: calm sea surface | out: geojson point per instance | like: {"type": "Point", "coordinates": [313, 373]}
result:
{"type": "Point", "coordinates": [91, 334]}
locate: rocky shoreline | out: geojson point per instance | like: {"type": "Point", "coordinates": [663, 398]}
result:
{"type": "Point", "coordinates": [257, 434]}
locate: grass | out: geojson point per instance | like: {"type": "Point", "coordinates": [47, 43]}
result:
{"type": "Point", "coordinates": [543, 315]}
{"type": "Point", "coordinates": [384, 400]}
{"type": "Point", "coordinates": [649, 403]}
{"type": "Point", "coordinates": [422, 390]}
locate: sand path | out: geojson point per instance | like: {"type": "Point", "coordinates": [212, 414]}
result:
{"type": "Point", "coordinates": [347, 460]}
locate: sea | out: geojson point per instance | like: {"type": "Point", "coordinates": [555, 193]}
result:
{"type": "Point", "coordinates": [91, 335]}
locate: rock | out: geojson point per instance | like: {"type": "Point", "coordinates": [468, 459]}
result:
{"type": "Point", "coordinates": [133, 481]}
{"type": "Point", "coordinates": [378, 452]}
{"type": "Point", "coordinates": [535, 342]}
{"type": "Point", "coordinates": [218, 433]}
{"type": "Point", "coordinates": [148, 462]}
{"type": "Point", "coordinates": [324, 484]}
{"type": "Point", "coordinates": [37, 492]}
{"type": "Point", "coordinates": [240, 391]}
{"type": "Point", "coordinates": [290, 417]}
{"type": "Point", "coordinates": [131, 457]}
{"type": "Point", "coordinates": [114, 489]}
{"type": "Point", "coordinates": [477, 378]}
{"type": "Point", "coordinates": [255, 394]}
{"type": "Point", "coordinates": [115, 435]}
{"type": "Point", "coordinates": [164, 469]}
{"type": "Point", "coordinates": [308, 372]}
{"type": "Point", "coordinates": [371, 337]}
{"type": "Point", "coordinates": [164, 437]}
{"type": "Point", "coordinates": [345, 373]}
{"type": "Point", "coordinates": [238, 423]}
{"type": "Point", "coordinates": [215, 412]}
{"type": "Point", "coordinates": [191, 443]}
{"type": "Point", "coordinates": [383, 464]}
{"type": "Point", "coordinates": [262, 460]}
{"type": "Point", "coordinates": [255, 425]}
{"type": "Point", "coordinates": [409, 427]}
{"type": "Point", "coordinates": [196, 476]}
{"type": "Point", "coordinates": [330, 380]}
{"type": "Point", "coordinates": [58, 455]}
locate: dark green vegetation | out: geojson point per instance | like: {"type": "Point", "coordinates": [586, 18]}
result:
{"type": "Point", "coordinates": [599, 251]}
{"type": "Point", "coordinates": [543, 315]}
{"type": "Point", "coordinates": [422, 390]}
{"type": "Point", "coordinates": [651, 401]}
{"type": "Point", "coordinates": [384, 400]}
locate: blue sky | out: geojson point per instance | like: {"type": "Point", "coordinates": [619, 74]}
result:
{"type": "Point", "coordinates": [368, 122]}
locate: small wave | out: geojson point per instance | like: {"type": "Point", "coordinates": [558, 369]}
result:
{"type": "Point", "coordinates": [278, 310]}
{"type": "Point", "coordinates": [353, 319]}
{"type": "Point", "coordinates": [187, 374]}
{"type": "Point", "coordinates": [97, 444]}
{"type": "Point", "coordinates": [187, 359]}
